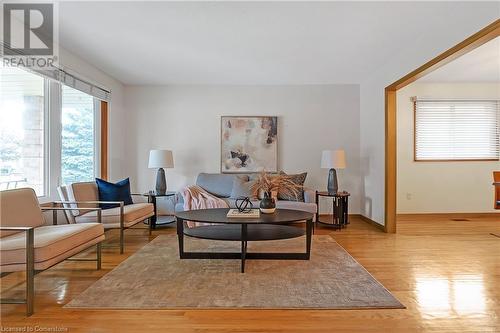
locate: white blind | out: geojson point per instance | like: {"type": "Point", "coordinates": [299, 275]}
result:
{"type": "Point", "coordinates": [73, 81]}
{"type": "Point", "coordinates": [84, 86]}
{"type": "Point", "coordinates": [456, 129]}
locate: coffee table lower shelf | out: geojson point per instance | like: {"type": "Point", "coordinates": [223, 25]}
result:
{"type": "Point", "coordinates": [232, 232]}
{"type": "Point", "coordinates": [244, 233]}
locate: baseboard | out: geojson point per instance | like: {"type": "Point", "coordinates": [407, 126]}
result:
{"type": "Point", "coordinates": [370, 221]}
{"type": "Point", "coordinates": [364, 219]}
{"type": "Point", "coordinates": [350, 215]}
{"type": "Point", "coordinates": [450, 215]}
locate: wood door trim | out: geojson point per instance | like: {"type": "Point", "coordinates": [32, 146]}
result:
{"type": "Point", "coordinates": [390, 161]}
{"type": "Point", "coordinates": [449, 216]}
{"type": "Point", "coordinates": [481, 37]}
{"type": "Point", "coordinates": [496, 179]}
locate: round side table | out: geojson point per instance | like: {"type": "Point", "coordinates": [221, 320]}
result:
{"type": "Point", "coordinates": [340, 209]}
{"type": "Point", "coordinates": [156, 220]}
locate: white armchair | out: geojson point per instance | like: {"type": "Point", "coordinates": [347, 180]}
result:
{"type": "Point", "coordinates": [28, 245]}
{"type": "Point", "coordinates": [84, 195]}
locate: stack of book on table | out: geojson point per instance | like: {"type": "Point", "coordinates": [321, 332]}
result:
{"type": "Point", "coordinates": [252, 213]}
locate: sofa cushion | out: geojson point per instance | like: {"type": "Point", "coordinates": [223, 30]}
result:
{"type": "Point", "coordinates": [19, 208]}
{"type": "Point", "coordinates": [110, 218]}
{"type": "Point", "coordinates": [218, 184]}
{"type": "Point", "coordinates": [242, 187]}
{"type": "Point", "coordinates": [309, 195]}
{"type": "Point", "coordinates": [296, 205]}
{"type": "Point", "coordinates": [231, 202]}
{"type": "Point", "coordinates": [119, 191]}
{"type": "Point", "coordinates": [50, 242]}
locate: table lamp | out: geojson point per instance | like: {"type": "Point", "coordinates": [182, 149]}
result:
{"type": "Point", "coordinates": [333, 160]}
{"type": "Point", "coordinates": [160, 159]}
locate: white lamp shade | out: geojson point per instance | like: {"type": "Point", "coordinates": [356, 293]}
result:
{"type": "Point", "coordinates": [159, 158]}
{"type": "Point", "coordinates": [333, 159]}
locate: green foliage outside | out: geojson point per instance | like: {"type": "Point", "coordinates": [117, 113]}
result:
{"type": "Point", "coordinates": [77, 153]}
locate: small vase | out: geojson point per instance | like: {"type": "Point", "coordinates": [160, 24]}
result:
{"type": "Point", "coordinates": [267, 204]}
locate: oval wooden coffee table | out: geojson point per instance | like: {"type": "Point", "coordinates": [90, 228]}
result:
{"type": "Point", "coordinates": [267, 227]}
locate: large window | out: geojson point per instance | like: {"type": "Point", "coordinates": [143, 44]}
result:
{"type": "Point", "coordinates": [78, 136]}
{"type": "Point", "coordinates": [49, 131]}
{"type": "Point", "coordinates": [23, 125]}
{"type": "Point", "coordinates": [456, 130]}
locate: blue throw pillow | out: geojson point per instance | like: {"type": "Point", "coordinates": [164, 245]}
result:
{"type": "Point", "coordinates": [114, 192]}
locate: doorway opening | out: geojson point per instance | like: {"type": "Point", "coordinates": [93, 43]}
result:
{"type": "Point", "coordinates": [482, 37]}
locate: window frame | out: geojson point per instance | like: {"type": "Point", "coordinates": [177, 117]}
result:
{"type": "Point", "coordinates": [54, 148]}
{"type": "Point", "coordinates": [415, 159]}
{"type": "Point", "coordinates": [104, 139]}
{"type": "Point", "coordinates": [97, 136]}
{"type": "Point", "coordinates": [52, 137]}
{"type": "Point", "coordinates": [45, 128]}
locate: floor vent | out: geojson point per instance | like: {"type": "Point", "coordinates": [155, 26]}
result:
{"type": "Point", "coordinates": [460, 220]}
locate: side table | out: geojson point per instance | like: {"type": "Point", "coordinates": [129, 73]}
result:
{"type": "Point", "coordinates": [340, 208]}
{"type": "Point", "coordinates": [155, 219]}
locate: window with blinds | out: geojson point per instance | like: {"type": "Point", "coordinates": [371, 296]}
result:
{"type": "Point", "coordinates": [35, 110]}
{"type": "Point", "coordinates": [456, 130]}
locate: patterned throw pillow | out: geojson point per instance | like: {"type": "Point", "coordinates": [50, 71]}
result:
{"type": "Point", "coordinates": [298, 179]}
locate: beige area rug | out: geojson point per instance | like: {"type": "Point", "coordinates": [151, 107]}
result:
{"type": "Point", "coordinates": [155, 278]}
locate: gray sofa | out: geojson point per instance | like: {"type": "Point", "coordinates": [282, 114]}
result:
{"type": "Point", "coordinates": [221, 185]}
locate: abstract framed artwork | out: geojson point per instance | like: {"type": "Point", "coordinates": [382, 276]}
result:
{"type": "Point", "coordinates": [249, 144]}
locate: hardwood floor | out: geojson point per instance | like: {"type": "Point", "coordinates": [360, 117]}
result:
{"type": "Point", "coordinates": [447, 273]}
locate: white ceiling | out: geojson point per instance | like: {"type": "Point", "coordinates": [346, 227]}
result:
{"type": "Point", "coordinates": [479, 65]}
{"type": "Point", "coordinates": [245, 42]}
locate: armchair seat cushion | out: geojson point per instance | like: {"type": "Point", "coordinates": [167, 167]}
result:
{"type": "Point", "coordinates": [132, 214]}
{"type": "Point", "coordinates": [52, 244]}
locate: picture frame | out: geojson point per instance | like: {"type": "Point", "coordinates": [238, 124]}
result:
{"type": "Point", "coordinates": [249, 144]}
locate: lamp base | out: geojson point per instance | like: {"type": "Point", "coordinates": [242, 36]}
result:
{"type": "Point", "coordinates": [333, 185]}
{"type": "Point", "coordinates": [161, 182]}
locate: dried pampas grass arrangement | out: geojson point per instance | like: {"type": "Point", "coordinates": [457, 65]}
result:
{"type": "Point", "coordinates": [269, 183]}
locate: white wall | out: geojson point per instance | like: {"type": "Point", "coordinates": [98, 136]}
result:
{"type": "Point", "coordinates": [457, 187]}
{"type": "Point", "coordinates": [186, 119]}
{"type": "Point", "coordinates": [465, 20]}
{"type": "Point", "coordinates": [117, 149]}
{"type": "Point", "coordinates": [126, 156]}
